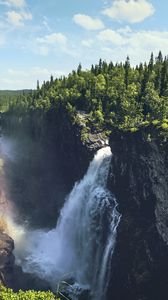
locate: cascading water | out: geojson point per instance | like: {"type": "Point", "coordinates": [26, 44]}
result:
{"type": "Point", "coordinates": [82, 244]}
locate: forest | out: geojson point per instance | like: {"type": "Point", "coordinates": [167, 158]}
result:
{"type": "Point", "coordinates": [109, 96]}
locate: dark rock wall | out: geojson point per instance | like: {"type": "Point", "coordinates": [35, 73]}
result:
{"type": "Point", "coordinates": [139, 179]}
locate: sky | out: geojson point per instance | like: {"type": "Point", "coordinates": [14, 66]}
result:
{"type": "Point", "coordinates": [43, 37]}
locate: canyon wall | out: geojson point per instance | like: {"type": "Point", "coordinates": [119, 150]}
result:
{"type": "Point", "coordinates": [139, 180]}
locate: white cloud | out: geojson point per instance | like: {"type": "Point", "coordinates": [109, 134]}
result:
{"type": "Point", "coordinates": [138, 44]}
{"type": "Point", "coordinates": [125, 30]}
{"type": "Point", "coordinates": [87, 22]}
{"type": "Point", "coordinates": [26, 15]}
{"type": "Point", "coordinates": [131, 11]}
{"type": "Point", "coordinates": [17, 3]}
{"type": "Point", "coordinates": [14, 18]}
{"type": "Point", "coordinates": [17, 19]}
{"type": "Point", "coordinates": [17, 13]}
{"type": "Point", "coordinates": [112, 36]}
{"type": "Point", "coordinates": [149, 40]}
{"type": "Point", "coordinates": [87, 43]}
{"type": "Point", "coordinates": [54, 42]}
{"type": "Point", "coordinates": [27, 78]}
{"type": "Point", "coordinates": [125, 37]}
{"type": "Point", "coordinates": [14, 3]}
{"type": "Point", "coordinates": [53, 38]}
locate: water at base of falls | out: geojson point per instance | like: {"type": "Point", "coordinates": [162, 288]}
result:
{"type": "Point", "coordinates": [80, 248]}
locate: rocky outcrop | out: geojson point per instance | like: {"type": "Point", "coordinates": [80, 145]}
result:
{"type": "Point", "coordinates": [139, 179]}
{"type": "Point", "coordinates": [6, 259]}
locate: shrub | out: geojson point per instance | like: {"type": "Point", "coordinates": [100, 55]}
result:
{"type": "Point", "coordinates": [164, 126]}
{"type": "Point", "coordinates": [9, 294]}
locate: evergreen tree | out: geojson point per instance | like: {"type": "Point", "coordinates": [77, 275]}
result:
{"type": "Point", "coordinates": [79, 69]}
{"type": "Point", "coordinates": [38, 85]}
{"type": "Point", "coordinates": [127, 69]}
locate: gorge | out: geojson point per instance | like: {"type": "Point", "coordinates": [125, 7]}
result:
{"type": "Point", "coordinates": [138, 178]}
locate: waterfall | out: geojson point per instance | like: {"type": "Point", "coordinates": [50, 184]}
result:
{"type": "Point", "coordinates": [82, 244]}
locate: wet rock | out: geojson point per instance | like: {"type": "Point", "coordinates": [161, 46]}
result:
{"type": "Point", "coordinates": [96, 141]}
{"type": "Point", "coordinates": [77, 292]}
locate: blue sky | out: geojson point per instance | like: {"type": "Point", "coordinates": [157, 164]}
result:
{"type": "Point", "coordinates": [43, 37]}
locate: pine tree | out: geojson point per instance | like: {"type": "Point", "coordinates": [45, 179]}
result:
{"type": "Point", "coordinates": [151, 62]}
{"type": "Point", "coordinates": [159, 58]}
{"type": "Point", "coordinates": [51, 79]}
{"type": "Point", "coordinates": [38, 85]}
{"type": "Point", "coordinates": [79, 69]}
{"type": "Point", "coordinates": [164, 77]}
{"type": "Point", "coordinates": [127, 69]}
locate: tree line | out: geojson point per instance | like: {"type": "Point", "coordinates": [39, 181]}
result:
{"type": "Point", "coordinates": [110, 95]}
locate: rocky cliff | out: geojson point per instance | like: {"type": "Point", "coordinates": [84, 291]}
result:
{"type": "Point", "coordinates": [139, 179]}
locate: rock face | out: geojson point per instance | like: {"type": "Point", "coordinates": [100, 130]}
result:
{"type": "Point", "coordinates": [139, 179]}
{"type": "Point", "coordinates": [6, 259]}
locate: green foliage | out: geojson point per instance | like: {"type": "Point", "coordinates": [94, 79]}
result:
{"type": "Point", "coordinates": [164, 126]}
{"type": "Point", "coordinates": [84, 133]}
{"type": "Point", "coordinates": [10, 98]}
{"type": "Point", "coordinates": [155, 122]}
{"type": "Point", "coordinates": [9, 294]}
{"type": "Point", "coordinates": [133, 129]}
{"type": "Point", "coordinates": [113, 96]}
